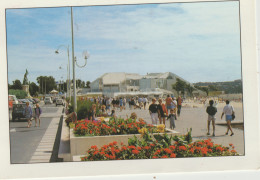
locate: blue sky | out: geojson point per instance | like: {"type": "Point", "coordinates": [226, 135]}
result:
{"type": "Point", "coordinates": [197, 41]}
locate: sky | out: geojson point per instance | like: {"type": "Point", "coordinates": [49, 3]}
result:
{"type": "Point", "coordinates": [199, 42]}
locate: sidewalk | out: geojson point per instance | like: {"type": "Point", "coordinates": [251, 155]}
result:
{"type": "Point", "coordinates": [196, 118]}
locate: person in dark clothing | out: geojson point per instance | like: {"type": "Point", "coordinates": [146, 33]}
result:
{"type": "Point", "coordinates": [211, 110]}
{"type": "Point", "coordinates": [153, 110]}
{"type": "Point", "coordinates": [172, 118]}
{"type": "Point", "coordinates": [92, 113]}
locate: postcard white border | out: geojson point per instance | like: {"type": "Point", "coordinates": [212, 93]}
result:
{"type": "Point", "coordinates": [250, 96]}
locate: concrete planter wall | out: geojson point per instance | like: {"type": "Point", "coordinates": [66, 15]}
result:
{"type": "Point", "coordinates": [79, 145]}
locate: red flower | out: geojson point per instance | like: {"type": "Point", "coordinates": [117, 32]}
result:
{"type": "Point", "coordinates": [139, 148]}
{"type": "Point", "coordinates": [230, 144]}
{"type": "Point", "coordinates": [182, 148]}
{"type": "Point", "coordinates": [164, 156]}
{"type": "Point", "coordinates": [102, 153]}
{"type": "Point", "coordinates": [167, 151]}
{"type": "Point", "coordinates": [219, 148]}
{"type": "Point", "coordinates": [90, 132]}
{"type": "Point", "coordinates": [146, 147]}
{"type": "Point", "coordinates": [191, 150]}
{"type": "Point", "coordinates": [115, 143]}
{"type": "Point", "coordinates": [173, 155]}
{"type": "Point", "coordinates": [131, 147]}
{"type": "Point", "coordinates": [135, 152]}
{"type": "Point", "coordinates": [172, 147]}
{"type": "Point", "coordinates": [210, 150]}
{"type": "Point", "coordinates": [233, 151]}
{"type": "Point", "coordinates": [124, 148]}
{"type": "Point", "coordinates": [152, 145]}
{"type": "Point", "coordinates": [96, 152]}
{"type": "Point", "coordinates": [117, 151]}
{"type": "Point", "coordinates": [93, 147]}
{"type": "Point", "coordinates": [107, 156]}
{"type": "Point", "coordinates": [154, 157]}
{"type": "Point", "coordinates": [112, 157]}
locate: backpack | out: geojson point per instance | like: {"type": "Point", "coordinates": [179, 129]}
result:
{"type": "Point", "coordinates": [211, 110]}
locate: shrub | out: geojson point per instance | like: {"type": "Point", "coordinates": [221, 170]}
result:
{"type": "Point", "coordinates": [20, 94]}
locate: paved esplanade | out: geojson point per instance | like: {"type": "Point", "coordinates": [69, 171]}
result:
{"type": "Point", "coordinates": [27, 143]}
{"type": "Point", "coordinates": [193, 115]}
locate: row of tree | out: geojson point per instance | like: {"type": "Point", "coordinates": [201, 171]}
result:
{"type": "Point", "coordinates": [46, 84]}
{"type": "Point", "coordinates": [182, 87]}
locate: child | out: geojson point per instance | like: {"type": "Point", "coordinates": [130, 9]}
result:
{"type": "Point", "coordinates": [172, 117]}
{"type": "Point", "coordinates": [211, 110]}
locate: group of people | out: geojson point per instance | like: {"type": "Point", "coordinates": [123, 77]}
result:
{"type": "Point", "coordinates": [29, 114]}
{"type": "Point", "coordinates": [229, 113]}
{"type": "Point", "coordinates": [160, 111]}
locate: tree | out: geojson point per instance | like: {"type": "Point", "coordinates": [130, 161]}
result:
{"type": "Point", "coordinates": [88, 84]}
{"type": "Point", "coordinates": [179, 86]}
{"type": "Point", "coordinates": [46, 83]}
{"type": "Point", "coordinates": [33, 88]}
{"type": "Point", "coordinates": [190, 89]}
{"type": "Point", "coordinates": [213, 88]}
{"type": "Point", "coordinates": [16, 85]}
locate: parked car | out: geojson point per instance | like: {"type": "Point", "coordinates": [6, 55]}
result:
{"type": "Point", "coordinates": [59, 102]}
{"type": "Point", "coordinates": [47, 100]}
{"type": "Point", "coordinates": [18, 110]}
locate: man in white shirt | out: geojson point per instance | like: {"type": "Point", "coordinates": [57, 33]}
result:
{"type": "Point", "coordinates": [228, 111]}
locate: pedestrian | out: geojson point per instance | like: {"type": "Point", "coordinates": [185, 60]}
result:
{"type": "Point", "coordinates": [121, 103]}
{"type": "Point", "coordinates": [145, 101]}
{"type": "Point", "coordinates": [108, 102]}
{"type": "Point", "coordinates": [92, 113]}
{"type": "Point", "coordinates": [124, 103]}
{"type": "Point", "coordinates": [168, 101]}
{"type": "Point", "coordinates": [179, 104]}
{"type": "Point", "coordinates": [28, 114]}
{"type": "Point", "coordinates": [174, 105]}
{"type": "Point", "coordinates": [172, 117]}
{"type": "Point", "coordinates": [229, 113]}
{"type": "Point", "coordinates": [38, 112]}
{"type": "Point", "coordinates": [211, 110]}
{"type": "Point", "coordinates": [153, 110]}
{"type": "Point", "coordinates": [162, 112]}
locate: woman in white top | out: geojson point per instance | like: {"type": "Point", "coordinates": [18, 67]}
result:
{"type": "Point", "coordinates": [228, 111]}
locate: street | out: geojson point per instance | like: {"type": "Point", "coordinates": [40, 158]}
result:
{"type": "Point", "coordinates": [25, 141]}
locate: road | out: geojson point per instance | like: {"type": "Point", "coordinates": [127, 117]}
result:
{"type": "Point", "coordinates": [24, 141]}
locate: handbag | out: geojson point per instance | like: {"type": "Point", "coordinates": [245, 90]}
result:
{"type": "Point", "coordinates": [233, 116]}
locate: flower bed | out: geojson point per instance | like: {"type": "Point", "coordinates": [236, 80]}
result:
{"type": "Point", "coordinates": [162, 147]}
{"type": "Point", "coordinates": [112, 127]}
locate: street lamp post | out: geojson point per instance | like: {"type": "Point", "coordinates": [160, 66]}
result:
{"type": "Point", "coordinates": [74, 62]}
{"type": "Point", "coordinates": [68, 69]}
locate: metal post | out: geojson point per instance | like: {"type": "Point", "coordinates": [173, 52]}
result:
{"type": "Point", "coordinates": [73, 65]}
{"type": "Point", "coordinates": [68, 89]}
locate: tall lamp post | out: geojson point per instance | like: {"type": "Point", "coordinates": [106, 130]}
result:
{"type": "Point", "coordinates": [74, 62]}
{"type": "Point", "coordinates": [68, 69]}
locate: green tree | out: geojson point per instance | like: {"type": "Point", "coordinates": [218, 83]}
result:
{"type": "Point", "coordinates": [88, 84]}
{"type": "Point", "coordinates": [46, 84]}
{"type": "Point", "coordinates": [190, 89]}
{"type": "Point", "coordinates": [34, 89]}
{"type": "Point", "coordinates": [179, 86]}
{"type": "Point", "coordinates": [213, 88]}
{"type": "Point", "coordinates": [20, 94]}
{"type": "Point", "coordinates": [16, 85]}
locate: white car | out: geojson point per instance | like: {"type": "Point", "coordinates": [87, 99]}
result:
{"type": "Point", "coordinates": [47, 100]}
{"type": "Point", "coordinates": [59, 102]}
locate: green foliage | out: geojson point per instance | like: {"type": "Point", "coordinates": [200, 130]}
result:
{"type": "Point", "coordinates": [179, 86]}
{"type": "Point", "coordinates": [20, 94]}
{"type": "Point", "coordinates": [33, 88]}
{"type": "Point", "coordinates": [83, 108]}
{"type": "Point", "coordinates": [48, 82]}
{"type": "Point", "coordinates": [16, 85]}
{"type": "Point", "coordinates": [188, 136]}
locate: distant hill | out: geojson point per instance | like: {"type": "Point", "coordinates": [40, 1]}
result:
{"type": "Point", "coordinates": [229, 87]}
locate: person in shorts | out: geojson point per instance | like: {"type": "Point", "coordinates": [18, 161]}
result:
{"type": "Point", "coordinates": [153, 110]}
{"type": "Point", "coordinates": [228, 111]}
{"type": "Point", "coordinates": [38, 112]}
{"type": "Point", "coordinates": [211, 110]}
{"type": "Point", "coordinates": [28, 114]}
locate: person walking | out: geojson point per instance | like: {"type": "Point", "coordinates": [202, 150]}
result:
{"type": "Point", "coordinates": [172, 117]}
{"type": "Point", "coordinates": [38, 112]}
{"type": "Point", "coordinates": [211, 110]}
{"type": "Point", "coordinates": [153, 110]}
{"type": "Point", "coordinates": [28, 114]}
{"type": "Point", "coordinates": [179, 104]}
{"type": "Point", "coordinates": [168, 101]}
{"type": "Point", "coordinates": [162, 111]}
{"type": "Point", "coordinates": [145, 101]}
{"type": "Point", "coordinates": [229, 112]}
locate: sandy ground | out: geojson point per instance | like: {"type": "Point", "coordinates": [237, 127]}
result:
{"type": "Point", "coordinates": [193, 115]}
